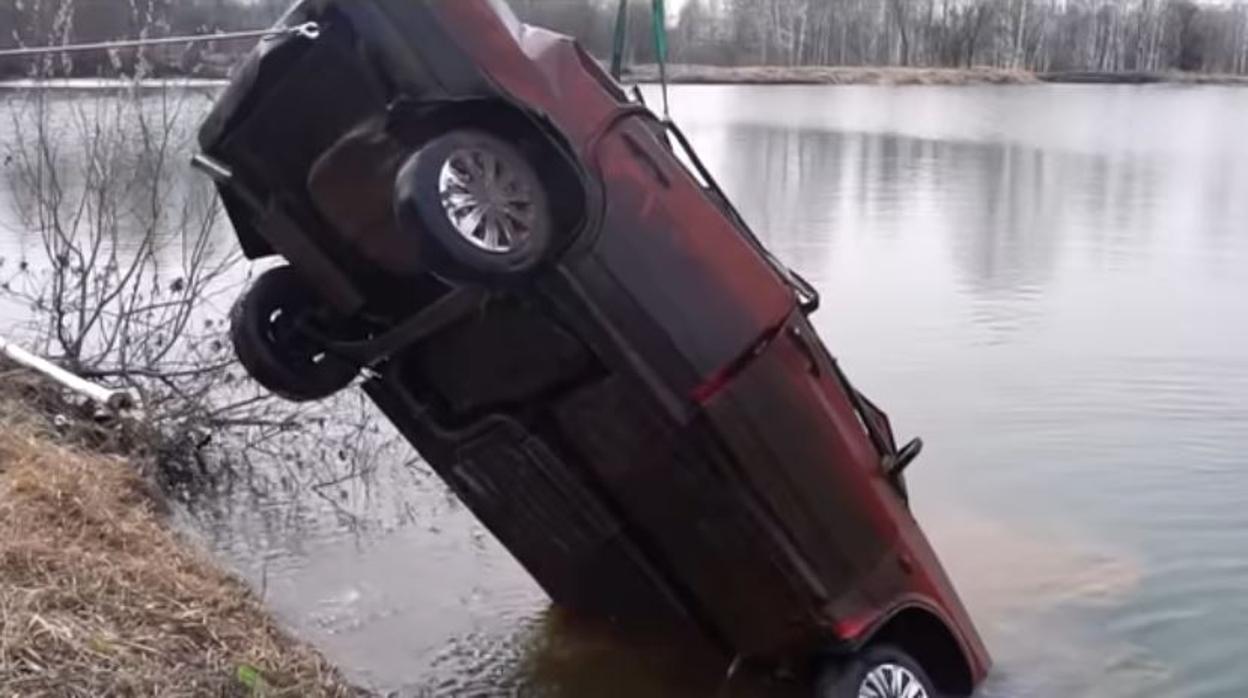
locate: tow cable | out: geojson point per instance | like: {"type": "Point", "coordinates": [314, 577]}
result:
{"type": "Point", "coordinates": [308, 30]}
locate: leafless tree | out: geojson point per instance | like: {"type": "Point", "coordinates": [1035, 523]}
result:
{"type": "Point", "coordinates": [127, 271]}
{"type": "Point", "coordinates": [1041, 35]}
{"type": "Point", "coordinates": [1086, 35]}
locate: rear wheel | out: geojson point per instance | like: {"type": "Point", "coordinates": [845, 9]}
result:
{"type": "Point", "coordinates": [481, 209]}
{"type": "Point", "coordinates": [272, 327]}
{"type": "Point", "coordinates": [882, 671]}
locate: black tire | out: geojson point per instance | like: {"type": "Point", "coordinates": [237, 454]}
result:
{"type": "Point", "coordinates": [848, 678]}
{"type": "Point", "coordinates": [264, 330]}
{"type": "Point", "coordinates": [520, 233]}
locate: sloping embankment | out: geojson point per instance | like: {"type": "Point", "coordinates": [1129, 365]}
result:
{"type": "Point", "coordinates": [98, 596]}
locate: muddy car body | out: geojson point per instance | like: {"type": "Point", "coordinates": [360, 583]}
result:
{"type": "Point", "coordinates": [577, 331]}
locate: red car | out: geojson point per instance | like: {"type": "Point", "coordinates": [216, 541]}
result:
{"type": "Point", "coordinates": [551, 298]}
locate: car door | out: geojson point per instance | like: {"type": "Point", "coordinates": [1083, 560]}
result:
{"type": "Point", "coordinates": [679, 281]}
{"type": "Point", "coordinates": [800, 445]}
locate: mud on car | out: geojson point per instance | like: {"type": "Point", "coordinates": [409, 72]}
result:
{"type": "Point", "coordinates": [535, 279]}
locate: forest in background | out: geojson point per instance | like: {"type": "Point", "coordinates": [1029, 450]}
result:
{"type": "Point", "coordinates": [1034, 35]}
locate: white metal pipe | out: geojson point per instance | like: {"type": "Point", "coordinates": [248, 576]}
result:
{"type": "Point", "coordinates": [115, 400]}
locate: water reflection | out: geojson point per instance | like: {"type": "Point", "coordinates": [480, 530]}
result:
{"type": "Point", "coordinates": [1005, 208]}
{"type": "Point", "coordinates": [1040, 282]}
{"type": "Point", "coordinates": [1046, 283]}
{"type": "Point", "coordinates": [559, 656]}
{"type": "Point", "coordinates": [1049, 304]}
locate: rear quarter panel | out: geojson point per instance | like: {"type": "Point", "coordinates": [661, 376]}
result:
{"type": "Point", "coordinates": [798, 441]}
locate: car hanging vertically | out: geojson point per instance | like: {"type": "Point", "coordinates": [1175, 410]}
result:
{"type": "Point", "coordinates": [579, 334]}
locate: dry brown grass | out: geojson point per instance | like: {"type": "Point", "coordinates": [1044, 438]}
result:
{"type": "Point", "coordinates": [99, 597]}
{"type": "Point", "coordinates": [894, 75]}
{"type": "Point", "coordinates": [833, 75]}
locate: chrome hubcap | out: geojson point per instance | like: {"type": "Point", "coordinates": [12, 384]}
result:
{"type": "Point", "coordinates": [487, 202]}
{"type": "Point", "coordinates": [891, 681]}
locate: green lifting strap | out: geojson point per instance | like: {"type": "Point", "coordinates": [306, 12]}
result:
{"type": "Point", "coordinates": [660, 50]}
{"type": "Point", "coordinates": [660, 31]}
{"type": "Point", "coordinates": [659, 24]}
{"type": "Point", "coordinates": [621, 39]}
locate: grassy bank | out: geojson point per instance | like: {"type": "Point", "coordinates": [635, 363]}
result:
{"type": "Point", "coordinates": [99, 596]}
{"type": "Point", "coordinates": [818, 75]}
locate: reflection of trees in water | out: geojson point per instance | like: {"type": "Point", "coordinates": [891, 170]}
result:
{"type": "Point", "coordinates": [776, 175]}
{"type": "Point", "coordinates": [785, 183]}
{"type": "Point", "coordinates": [1003, 218]}
{"type": "Point", "coordinates": [1021, 208]}
{"type": "Point", "coordinates": [1006, 210]}
{"type": "Point", "coordinates": [1222, 207]}
{"type": "Point", "coordinates": [1009, 240]}
{"type": "Point", "coordinates": [71, 121]}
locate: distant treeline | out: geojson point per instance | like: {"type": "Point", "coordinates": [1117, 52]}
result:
{"type": "Point", "coordinates": [1137, 36]}
{"type": "Point", "coordinates": [1036, 35]}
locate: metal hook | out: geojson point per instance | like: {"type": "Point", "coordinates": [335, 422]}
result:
{"type": "Point", "coordinates": [308, 30]}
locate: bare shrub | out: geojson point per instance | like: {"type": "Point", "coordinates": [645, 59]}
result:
{"type": "Point", "coordinates": [124, 261]}
{"type": "Point", "coordinates": [125, 274]}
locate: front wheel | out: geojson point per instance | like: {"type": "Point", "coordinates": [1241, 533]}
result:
{"type": "Point", "coordinates": [882, 671]}
{"type": "Point", "coordinates": [478, 205]}
{"type": "Point", "coordinates": [271, 327]}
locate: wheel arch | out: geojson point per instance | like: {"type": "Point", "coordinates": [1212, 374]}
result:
{"type": "Point", "coordinates": [924, 635]}
{"type": "Point", "coordinates": [540, 141]}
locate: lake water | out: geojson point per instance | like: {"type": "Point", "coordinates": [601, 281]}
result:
{"type": "Point", "coordinates": [1045, 282]}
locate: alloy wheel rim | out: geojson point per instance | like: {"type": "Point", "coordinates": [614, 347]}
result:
{"type": "Point", "coordinates": [891, 681]}
{"type": "Point", "coordinates": [486, 200]}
